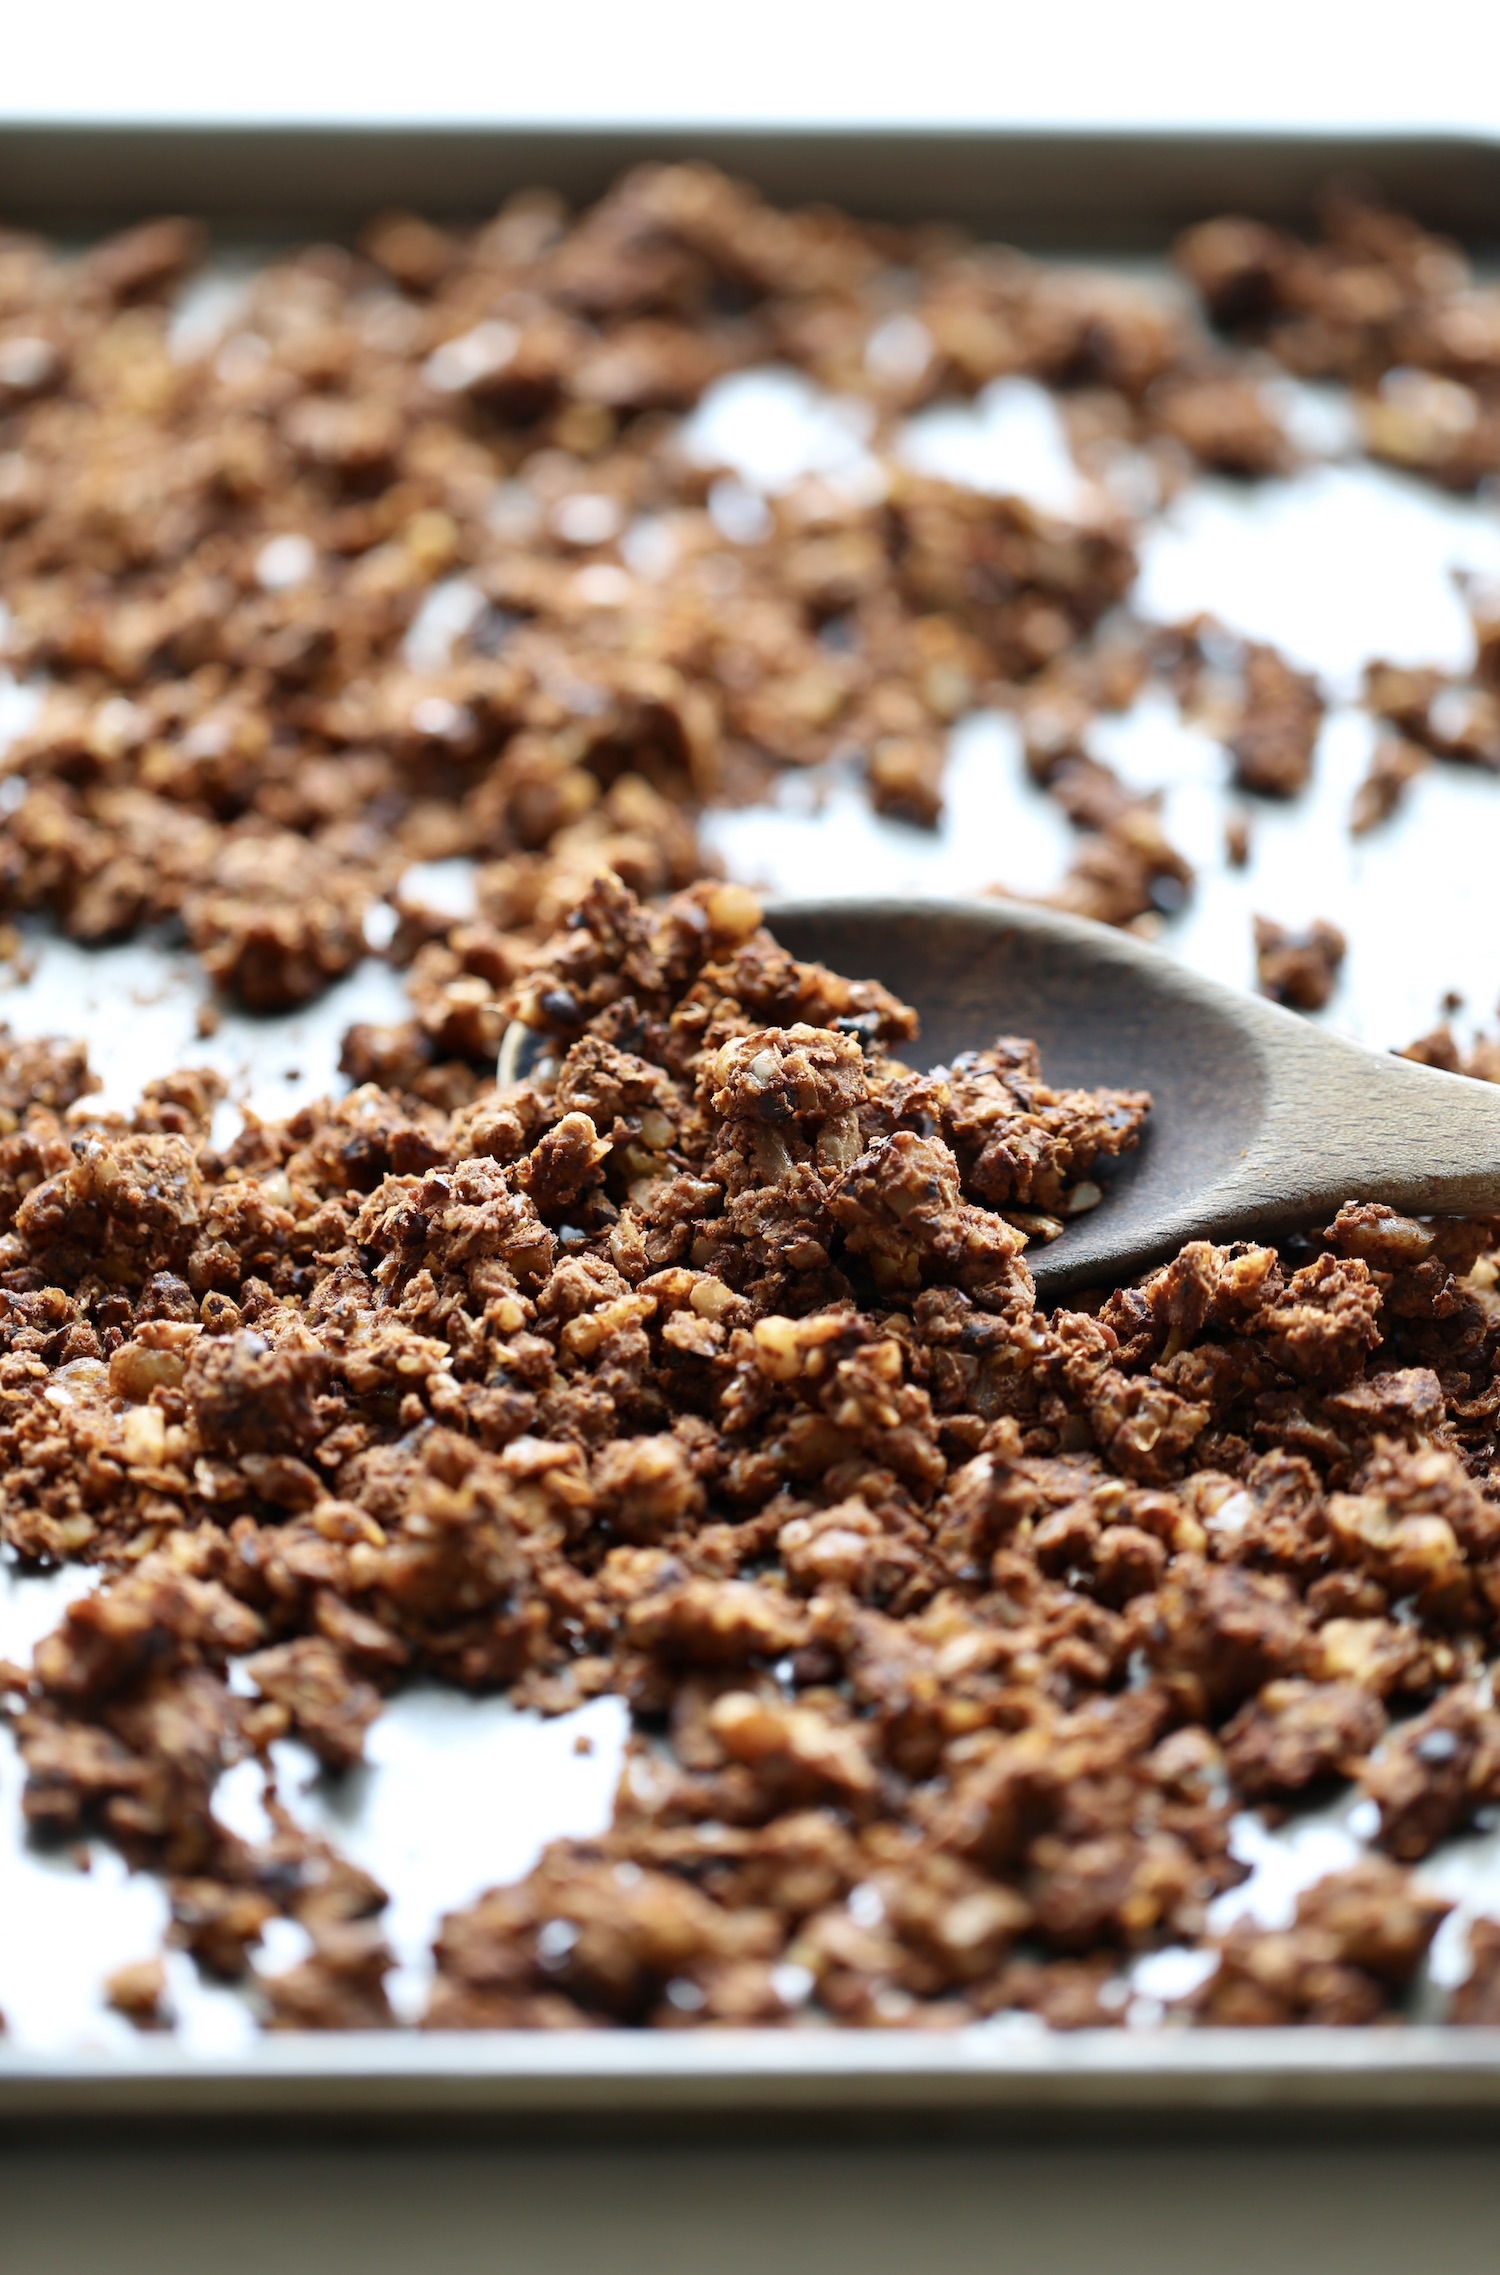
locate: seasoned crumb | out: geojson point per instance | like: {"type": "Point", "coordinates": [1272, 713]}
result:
{"type": "Point", "coordinates": [1355, 1943]}
{"type": "Point", "coordinates": [1126, 868]}
{"type": "Point", "coordinates": [1441, 1048]}
{"type": "Point", "coordinates": [1275, 737]}
{"type": "Point", "coordinates": [1298, 968]}
{"type": "Point", "coordinates": [1225, 420]}
{"type": "Point", "coordinates": [340, 1987]}
{"type": "Point", "coordinates": [139, 1992]}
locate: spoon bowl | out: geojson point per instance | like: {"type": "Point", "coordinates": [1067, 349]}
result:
{"type": "Point", "coordinates": [1261, 1122]}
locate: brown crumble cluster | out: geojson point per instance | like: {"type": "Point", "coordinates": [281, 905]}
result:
{"type": "Point", "coordinates": [700, 1364]}
{"type": "Point", "coordinates": [1443, 716]}
{"type": "Point", "coordinates": [219, 558]}
{"type": "Point", "coordinates": [1442, 1049]}
{"type": "Point", "coordinates": [1379, 303]}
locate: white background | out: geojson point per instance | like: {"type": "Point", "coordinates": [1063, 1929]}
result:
{"type": "Point", "coordinates": [1353, 63]}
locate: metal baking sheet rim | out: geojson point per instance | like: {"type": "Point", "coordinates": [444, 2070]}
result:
{"type": "Point", "coordinates": [1054, 187]}
{"type": "Point", "coordinates": [1073, 185]}
{"type": "Point", "coordinates": [720, 2074]}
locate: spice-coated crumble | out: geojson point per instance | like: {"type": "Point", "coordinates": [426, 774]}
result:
{"type": "Point", "coordinates": [217, 555]}
{"type": "Point", "coordinates": [702, 1365]}
{"type": "Point", "coordinates": [700, 1362]}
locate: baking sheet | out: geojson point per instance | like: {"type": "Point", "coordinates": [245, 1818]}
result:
{"type": "Point", "coordinates": [1342, 562]}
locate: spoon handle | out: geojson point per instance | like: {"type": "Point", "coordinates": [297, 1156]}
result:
{"type": "Point", "coordinates": [1344, 1123]}
{"type": "Point", "coordinates": [1263, 1123]}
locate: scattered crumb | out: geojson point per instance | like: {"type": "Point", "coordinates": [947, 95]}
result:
{"type": "Point", "coordinates": [1298, 969]}
{"type": "Point", "coordinates": [139, 1992]}
{"type": "Point", "coordinates": [1395, 764]}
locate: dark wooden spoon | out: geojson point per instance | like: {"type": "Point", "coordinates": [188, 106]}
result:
{"type": "Point", "coordinates": [1261, 1122]}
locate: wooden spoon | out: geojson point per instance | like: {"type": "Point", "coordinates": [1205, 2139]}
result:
{"type": "Point", "coordinates": [1261, 1122]}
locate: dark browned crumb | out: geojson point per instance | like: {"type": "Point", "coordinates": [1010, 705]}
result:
{"type": "Point", "coordinates": [1126, 868]}
{"type": "Point", "coordinates": [1442, 1049]}
{"type": "Point", "coordinates": [1434, 1771]}
{"type": "Point", "coordinates": [340, 1987]}
{"type": "Point", "coordinates": [1355, 1944]}
{"type": "Point", "coordinates": [1237, 841]}
{"type": "Point", "coordinates": [1298, 968]}
{"type": "Point", "coordinates": [1224, 420]}
{"type": "Point", "coordinates": [1377, 301]}
{"type": "Point", "coordinates": [905, 774]}
{"type": "Point", "coordinates": [1275, 736]}
{"type": "Point", "coordinates": [1448, 717]}
{"type": "Point", "coordinates": [1297, 1732]}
